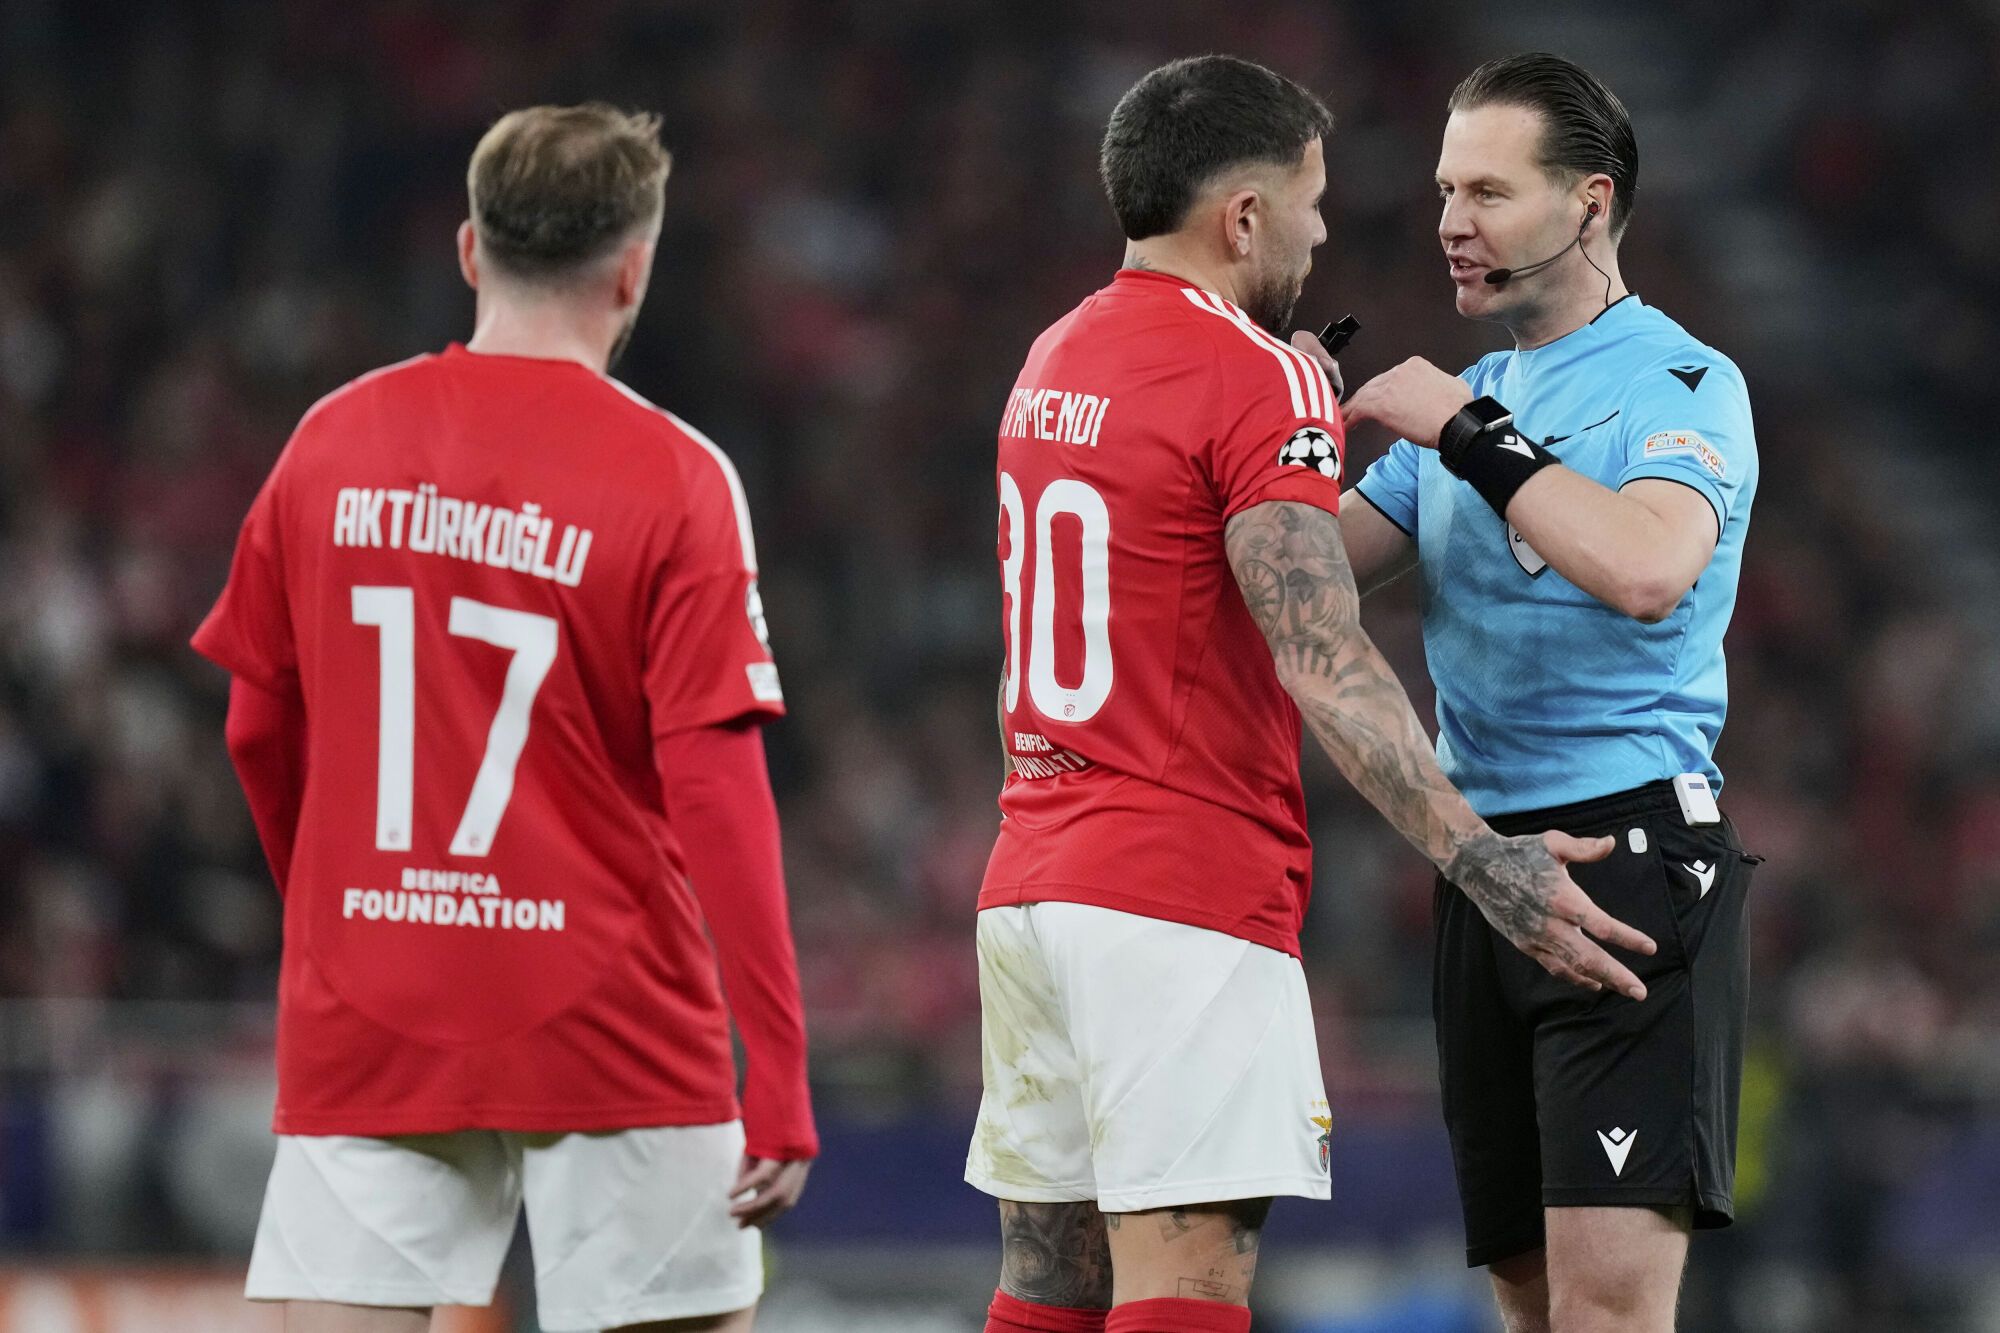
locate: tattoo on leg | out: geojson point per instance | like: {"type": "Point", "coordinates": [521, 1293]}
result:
{"type": "Point", "coordinates": [1174, 1223]}
{"type": "Point", "coordinates": [1055, 1254]}
{"type": "Point", "coordinates": [1246, 1222]}
{"type": "Point", "coordinates": [1214, 1246]}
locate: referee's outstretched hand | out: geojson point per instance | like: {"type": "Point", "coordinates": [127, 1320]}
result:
{"type": "Point", "coordinates": [1523, 889]}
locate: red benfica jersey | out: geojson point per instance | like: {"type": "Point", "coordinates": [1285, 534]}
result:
{"type": "Point", "coordinates": [495, 580]}
{"type": "Point", "coordinates": [1156, 756]}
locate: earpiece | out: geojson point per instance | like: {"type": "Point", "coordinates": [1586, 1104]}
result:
{"type": "Point", "coordinates": [1500, 276]}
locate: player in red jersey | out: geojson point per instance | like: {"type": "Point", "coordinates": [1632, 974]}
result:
{"type": "Point", "coordinates": [498, 668]}
{"type": "Point", "coordinates": [1169, 490]}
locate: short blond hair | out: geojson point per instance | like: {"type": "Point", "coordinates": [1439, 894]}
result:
{"type": "Point", "coordinates": [553, 188]}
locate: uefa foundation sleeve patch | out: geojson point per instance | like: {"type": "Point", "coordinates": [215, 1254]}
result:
{"type": "Point", "coordinates": [1686, 442]}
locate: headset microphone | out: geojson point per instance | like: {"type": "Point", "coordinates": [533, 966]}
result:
{"type": "Point", "coordinates": [1500, 275]}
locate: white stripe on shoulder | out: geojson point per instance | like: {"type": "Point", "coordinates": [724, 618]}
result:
{"type": "Point", "coordinates": [1319, 391]}
{"type": "Point", "coordinates": [729, 474]}
{"type": "Point", "coordinates": [360, 380]}
{"type": "Point", "coordinates": [1216, 306]}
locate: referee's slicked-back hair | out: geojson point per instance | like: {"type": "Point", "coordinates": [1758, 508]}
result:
{"type": "Point", "coordinates": [1175, 129]}
{"type": "Point", "coordinates": [1585, 128]}
{"type": "Point", "coordinates": [554, 187]}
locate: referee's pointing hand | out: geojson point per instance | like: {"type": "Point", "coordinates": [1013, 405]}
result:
{"type": "Point", "coordinates": [1414, 399]}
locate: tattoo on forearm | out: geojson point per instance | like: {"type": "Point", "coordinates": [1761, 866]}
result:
{"type": "Point", "coordinates": [1055, 1254]}
{"type": "Point", "coordinates": [1292, 568]}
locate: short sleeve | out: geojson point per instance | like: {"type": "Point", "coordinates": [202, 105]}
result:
{"type": "Point", "coordinates": [708, 655]}
{"type": "Point", "coordinates": [1279, 435]}
{"type": "Point", "coordinates": [249, 630]}
{"type": "Point", "coordinates": [1390, 484]}
{"type": "Point", "coordinates": [1689, 422]}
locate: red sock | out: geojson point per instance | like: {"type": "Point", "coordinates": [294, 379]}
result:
{"type": "Point", "coordinates": [1007, 1315]}
{"type": "Point", "coordinates": [1170, 1315]}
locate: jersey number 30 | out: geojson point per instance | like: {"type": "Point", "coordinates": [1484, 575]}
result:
{"type": "Point", "coordinates": [532, 640]}
{"type": "Point", "coordinates": [1080, 501]}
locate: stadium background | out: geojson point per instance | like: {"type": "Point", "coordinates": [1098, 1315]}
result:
{"type": "Point", "coordinates": [211, 213]}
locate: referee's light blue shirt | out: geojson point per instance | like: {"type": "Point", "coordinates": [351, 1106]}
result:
{"type": "Point", "coordinates": [1545, 694]}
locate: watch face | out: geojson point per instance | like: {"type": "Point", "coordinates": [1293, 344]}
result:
{"type": "Point", "coordinates": [1489, 411]}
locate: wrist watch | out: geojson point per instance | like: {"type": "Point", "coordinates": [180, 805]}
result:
{"type": "Point", "coordinates": [1467, 425]}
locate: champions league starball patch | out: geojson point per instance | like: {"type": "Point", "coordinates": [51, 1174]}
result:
{"type": "Point", "coordinates": [1314, 448]}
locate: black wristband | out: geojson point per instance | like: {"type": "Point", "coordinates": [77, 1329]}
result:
{"type": "Point", "coordinates": [1497, 462]}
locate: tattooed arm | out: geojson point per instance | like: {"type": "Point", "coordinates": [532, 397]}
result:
{"type": "Point", "coordinates": [1293, 570]}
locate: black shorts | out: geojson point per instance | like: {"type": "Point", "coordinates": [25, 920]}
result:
{"type": "Point", "coordinates": [1559, 1097]}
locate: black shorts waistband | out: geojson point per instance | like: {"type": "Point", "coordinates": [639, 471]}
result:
{"type": "Point", "coordinates": [1652, 799]}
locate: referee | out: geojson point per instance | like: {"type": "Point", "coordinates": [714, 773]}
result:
{"type": "Point", "coordinates": [1575, 508]}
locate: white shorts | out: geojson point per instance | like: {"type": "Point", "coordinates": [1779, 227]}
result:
{"type": "Point", "coordinates": [1142, 1063]}
{"type": "Point", "coordinates": [626, 1226]}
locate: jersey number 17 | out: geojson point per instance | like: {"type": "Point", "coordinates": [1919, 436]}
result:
{"type": "Point", "coordinates": [532, 640]}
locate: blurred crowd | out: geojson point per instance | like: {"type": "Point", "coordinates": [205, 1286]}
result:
{"type": "Point", "coordinates": [212, 213]}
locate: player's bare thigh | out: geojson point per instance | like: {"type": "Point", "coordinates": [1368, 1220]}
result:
{"type": "Point", "coordinates": [323, 1317]}
{"type": "Point", "coordinates": [1200, 1252]}
{"type": "Point", "coordinates": [1055, 1254]}
{"type": "Point", "coordinates": [1602, 1269]}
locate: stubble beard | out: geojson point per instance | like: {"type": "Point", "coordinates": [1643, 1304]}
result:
{"type": "Point", "coordinates": [1271, 302]}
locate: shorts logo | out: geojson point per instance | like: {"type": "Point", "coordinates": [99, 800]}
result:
{"type": "Point", "coordinates": [1687, 442]}
{"type": "Point", "coordinates": [1617, 1146]}
{"type": "Point", "coordinates": [1323, 1122]}
{"type": "Point", "coordinates": [1314, 448]}
{"type": "Point", "coordinates": [1704, 875]}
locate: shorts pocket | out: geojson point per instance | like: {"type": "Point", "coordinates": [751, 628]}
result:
{"type": "Point", "coordinates": [1704, 873]}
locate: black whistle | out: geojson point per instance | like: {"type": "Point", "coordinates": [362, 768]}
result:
{"type": "Point", "coordinates": [1338, 334]}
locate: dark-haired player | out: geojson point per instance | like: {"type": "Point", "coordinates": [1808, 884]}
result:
{"type": "Point", "coordinates": [498, 668]}
{"type": "Point", "coordinates": [1175, 597]}
{"type": "Point", "coordinates": [1576, 507]}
